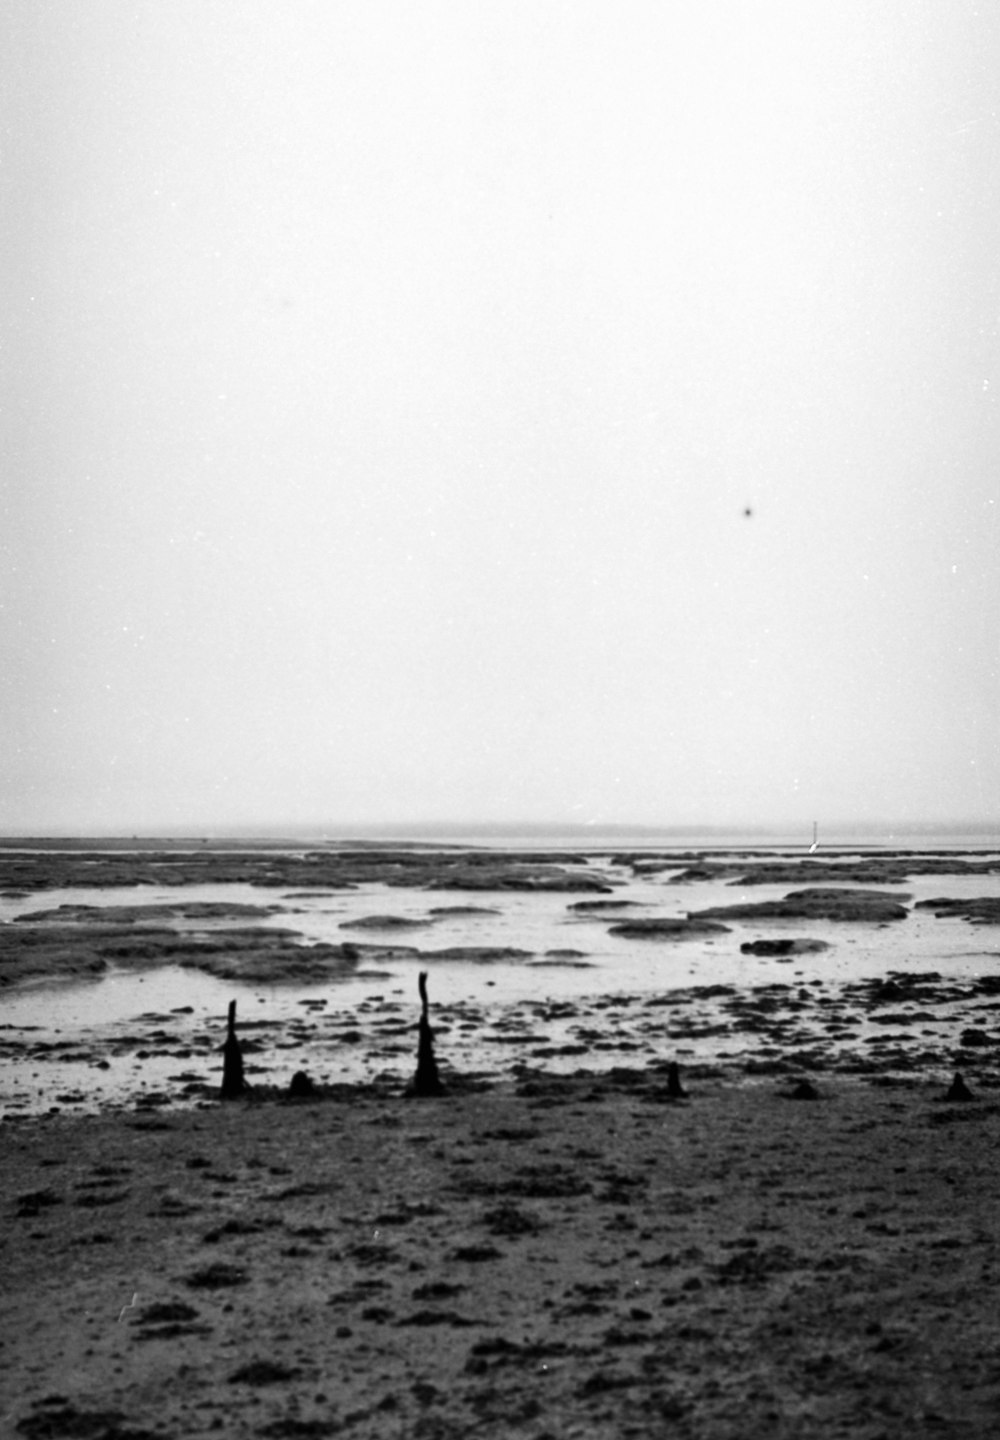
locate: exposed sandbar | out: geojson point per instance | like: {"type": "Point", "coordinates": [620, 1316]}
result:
{"type": "Point", "coordinates": [865, 906]}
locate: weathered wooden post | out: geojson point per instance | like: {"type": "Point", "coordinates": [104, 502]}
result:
{"type": "Point", "coordinates": [427, 1081]}
{"type": "Point", "coordinates": [233, 1084]}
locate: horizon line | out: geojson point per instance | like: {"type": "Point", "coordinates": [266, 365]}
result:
{"type": "Point", "coordinates": [345, 829]}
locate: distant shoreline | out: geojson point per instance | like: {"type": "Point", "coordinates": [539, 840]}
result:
{"type": "Point", "coordinates": [581, 838]}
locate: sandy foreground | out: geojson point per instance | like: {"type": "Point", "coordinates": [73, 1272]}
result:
{"type": "Point", "coordinates": [548, 1257]}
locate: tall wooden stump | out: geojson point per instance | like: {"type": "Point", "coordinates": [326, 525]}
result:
{"type": "Point", "coordinates": [675, 1090]}
{"type": "Point", "coordinates": [427, 1081]}
{"type": "Point", "coordinates": [233, 1084]}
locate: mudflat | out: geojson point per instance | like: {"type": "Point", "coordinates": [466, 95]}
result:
{"type": "Point", "coordinates": [551, 1256]}
{"type": "Point", "coordinates": [802, 1245]}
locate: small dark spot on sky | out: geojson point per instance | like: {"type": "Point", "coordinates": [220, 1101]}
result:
{"type": "Point", "coordinates": [747, 511]}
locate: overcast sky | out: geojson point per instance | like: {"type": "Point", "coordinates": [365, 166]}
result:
{"type": "Point", "coordinates": [506, 411]}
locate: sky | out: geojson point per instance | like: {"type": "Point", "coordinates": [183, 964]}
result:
{"type": "Point", "coordinates": [527, 411]}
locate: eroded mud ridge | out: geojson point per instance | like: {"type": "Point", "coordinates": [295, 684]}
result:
{"type": "Point", "coordinates": [326, 869]}
{"type": "Point", "coordinates": [87, 940]}
{"type": "Point", "coordinates": [341, 866]}
{"type": "Point", "coordinates": [892, 867]}
{"type": "Point", "coordinates": [553, 1257]}
{"type": "Point", "coordinates": [81, 941]}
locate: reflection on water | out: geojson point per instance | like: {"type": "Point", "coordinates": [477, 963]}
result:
{"type": "Point", "coordinates": [126, 1034]}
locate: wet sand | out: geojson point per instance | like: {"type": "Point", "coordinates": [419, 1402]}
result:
{"type": "Point", "coordinates": [557, 1257]}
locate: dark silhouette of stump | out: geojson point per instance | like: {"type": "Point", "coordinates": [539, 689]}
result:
{"type": "Point", "coordinates": [959, 1090]}
{"type": "Point", "coordinates": [675, 1090]}
{"type": "Point", "coordinates": [427, 1081]}
{"type": "Point", "coordinates": [233, 1084]}
{"type": "Point", "coordinates": [301, 1088]}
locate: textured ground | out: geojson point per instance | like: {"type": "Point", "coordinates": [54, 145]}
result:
{"type": "Point", "coordinates": [555, 1258]}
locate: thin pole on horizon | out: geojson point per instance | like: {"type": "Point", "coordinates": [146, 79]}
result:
{"type": "Point", "coordinates": [815, 845]}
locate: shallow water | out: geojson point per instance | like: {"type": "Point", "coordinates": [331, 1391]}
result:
{"type": "Point", "coordinates": [127, 1034]}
